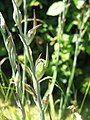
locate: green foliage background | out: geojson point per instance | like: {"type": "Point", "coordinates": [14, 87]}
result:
{"type": "Point", "coordinates": [47, 33]}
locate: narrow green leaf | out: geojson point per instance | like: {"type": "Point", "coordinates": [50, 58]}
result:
{"type": "Point", "coordinates": [30, 90]}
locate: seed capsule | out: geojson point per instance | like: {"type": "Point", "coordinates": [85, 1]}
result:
{"type": "Point", "coordinates": [40, 68]}
{"type": "Point", "coordinates": [41, 65]}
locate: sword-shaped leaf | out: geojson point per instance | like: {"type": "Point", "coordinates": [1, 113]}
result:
{"type": "Point", "coordinates": [9, 43]}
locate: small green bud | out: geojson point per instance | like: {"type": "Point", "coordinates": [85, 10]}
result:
{"type": "Point", "coordinates": [40, 68]}
{"type": "Point", "coordinates": [41, 65]}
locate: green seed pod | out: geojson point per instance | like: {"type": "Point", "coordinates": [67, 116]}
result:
{"type": "Point", "coordinates": [41, 65]}
{"type": "Point", "coordinates": [40, 68]}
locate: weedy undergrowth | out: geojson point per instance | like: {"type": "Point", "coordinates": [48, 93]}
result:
{"type": "Point", "coordinates": [61, 54]}
{"type": "Point", "coordinates": [18, 80]}
{"type": "Point", "coordinates": [18, 86]}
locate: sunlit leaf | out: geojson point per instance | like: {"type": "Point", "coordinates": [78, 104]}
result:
{"type": "Point", "coordinates": [2, 21]}
{"type": "Point", "coordinates": [79, 3]}
{"type": "Point", "coordinates": [56, 8]}
{"type": "Point", "coordinates": [35, 3]}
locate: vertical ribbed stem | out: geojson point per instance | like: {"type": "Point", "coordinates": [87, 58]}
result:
{"type": "Point", "coordinates": [83, 101]}
{"type": "Point", "coordinates": [25, 32]}
{"type": "Point", "coordinates": [72, 75]}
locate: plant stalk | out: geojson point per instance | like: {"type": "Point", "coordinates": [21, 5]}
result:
{"type": "Point", "coordinates": [72, 75]}
{"type": "Point", "coordinates": [83, 101]}
{"type": "Point", "coordinates": [25, 32]}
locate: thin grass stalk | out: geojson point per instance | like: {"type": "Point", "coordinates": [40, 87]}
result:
{"type": "Point", "coordinates": [60, 107]}
{"type": "Point", "coordinates": [8, 92]}
{"type": "Point", "coordinates": [23, 80]}
{"type": "Point", "coordinates": [60, 34]}
{"type": "Point", "coordinates": [83, 101]}
{"type": "Point", "coordinates": [82, 30]}
{"type": "Point", "coordinates": [51, 86]}
{"type": "Point", "coordinates": [50, 116]}
{"type": "Point", "coordinates": [20, 30]}
{"type": "Point", "coordinates": [25, 17]}
{"type": "Point", "coordinates": [54, 77]}
{"type": "Point", "coordinates": [1, 78]}
{"type": "Point", "coordinates": [20, 106]}
{"type": "Point", "coordinates": [52, 107]}
{"type": "Point", "coordinates": [39, 104]}
{"type": "Point", "coordinates": [37, 96]}
{"type": "Point", "coordinates": [55, 67]}
{"type": "Point", "coordinates": [22, 98]}
{"type": "Point", "coordinates": [72, 75]}
{"type": "Point", "coordinates": [35, 83]}
{"type": "Point", "coordinates": [2, 90]}
{"type": "Point", "coordinates": [38, 99]}
{"type": "Point", "coordinates": [25, 32]}
{"type": "Point", "coordinates": [53, 80]}
{"type": "Point", "coordinates": [5, 93]}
